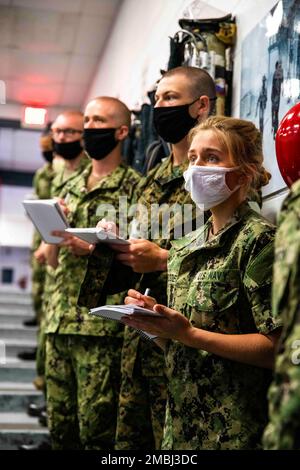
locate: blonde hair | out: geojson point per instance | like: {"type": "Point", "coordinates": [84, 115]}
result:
{"type": "Point", "coordinates": [243, 142]}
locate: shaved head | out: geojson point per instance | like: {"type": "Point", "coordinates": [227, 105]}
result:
{"type": "Point", "coordinates": [115, 110]}
{"type": "Point", "coordinates": [198, 82]}
{"type": "Point", "coordinates": [71, 112]}
{"type": "Point", "coordinates": [71, 118]}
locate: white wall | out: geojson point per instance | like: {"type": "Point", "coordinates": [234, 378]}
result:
{"type": "Point", "coordinates": [138, 46]}
{"type": "Point", "coordinates": [16, 232]}
{"type": "Point", "coordinates": [20, 150]}
{"type": "Point", "coordinates": [16, 229]}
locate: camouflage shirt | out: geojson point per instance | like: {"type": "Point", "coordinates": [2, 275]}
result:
{"type": "Point", "coordinates": [42, 189]}
{"type": "Point", "coordinates": [65, 316]}
{"type": "Point", "coordinates": [221, 285]}
{"type": "Point", "coordinates": [283, 430]}
{"type": "Point", "coordinates": [61, 177]}
{"type": "Point", "coordinates": [58, 182]}
{"type": "Point", "coordinates": [164, 186]}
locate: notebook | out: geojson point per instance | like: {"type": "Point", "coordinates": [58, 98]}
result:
{"type": "Point", "coordinates": [46, 215]}
{"type": "Point", "coordinates": [97, 235]}
{"type": "Point", "coordinates": [115, 312]}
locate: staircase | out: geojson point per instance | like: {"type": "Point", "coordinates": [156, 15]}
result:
{"type": "Point", "coordinates": [16, 388]}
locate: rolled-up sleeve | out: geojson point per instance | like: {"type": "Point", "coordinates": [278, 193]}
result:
{"type": "Point", "coordinates": [258, 286]}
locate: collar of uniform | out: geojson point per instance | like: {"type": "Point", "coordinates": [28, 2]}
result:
{"type": "Point", "coordinates": [167, 172]}
{"type": "Point", "coordinates": [198, 239]}
{"type": "Point", "coordinates": [190, 239]}
{"type": "Point", "coordinates": [111, 181]}
{"type": "Point", "coordinates": [59, 181]}
{"type": "Point", "coordinates": [48, 166]}
{"type": "Point", "coordinates": [240, 213]}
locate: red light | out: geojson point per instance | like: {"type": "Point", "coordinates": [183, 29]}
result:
{"type": "Point", "coordinates": [35, 117]}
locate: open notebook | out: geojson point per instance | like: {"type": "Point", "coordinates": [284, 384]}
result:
{"type": "Point", "coordinates": [115, 312]}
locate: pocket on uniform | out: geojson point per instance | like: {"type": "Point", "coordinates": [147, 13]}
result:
{"type": "Point", "coordinates": [212, 297]}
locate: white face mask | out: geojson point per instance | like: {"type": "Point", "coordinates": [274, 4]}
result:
{"type": "Point", "coordinates": [207, 185]}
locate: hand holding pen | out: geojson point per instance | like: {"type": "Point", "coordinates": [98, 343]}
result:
{"type": "Point", "coordinates": [142, 300]}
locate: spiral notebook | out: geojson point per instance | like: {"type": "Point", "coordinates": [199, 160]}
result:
{"type": "Point", "coordinates": [115, 312]}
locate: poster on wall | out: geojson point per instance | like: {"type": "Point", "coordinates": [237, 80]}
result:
{"type": "Point", "coordinates": [270, 81]}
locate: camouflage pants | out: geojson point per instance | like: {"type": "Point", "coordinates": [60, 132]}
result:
{"type": "Point", "coordinates": [37, 289]}
{"type": "Point", "coordinates": [49, 289]}
{"type": "Point", "coordinates": [82, 379]}
{"type": "Point", "coordinates": [41, 350]}
{"type": "Point", "coordinates": [141, 413]}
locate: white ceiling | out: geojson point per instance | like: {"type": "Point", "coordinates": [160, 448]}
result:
{"type": "Point", "coordinates": [49, 49]}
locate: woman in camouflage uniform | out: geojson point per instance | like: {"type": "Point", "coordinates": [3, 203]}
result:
{"type": "Point", "coordinates": [219, 334]}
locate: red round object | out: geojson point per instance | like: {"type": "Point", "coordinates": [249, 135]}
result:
{"type": "Point", "coordinates": [288, 145]}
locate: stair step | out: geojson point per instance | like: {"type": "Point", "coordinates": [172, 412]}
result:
{"type": "Point", "coordinates": [27, 309]}
{"type": "Point", "coordinates": [20, 421]}
{"type": "Point", "coordinates": [17, 386]}
{"type": "Point", "coordinates": [14, 318]}
{"type": "Point", "coordinates": [19, 308]}
{"type": "Point", "coordinates": [18, 400]}
{"type": "Point", "coordinates": [15, 297]}
{"type": "Point", "coordinates": [14, 293]}
{"type": "Point", "coordinates": [14, 346]}
{"type": "Point", "coordinates": [16, 362]}
{"type": "Point", "coordinates": [15, 309]}
{"type": "Point", "coordinates": [12, 439]}
{"type": "Point", "coordinates": [16, 370]}
{"type": "Point", "coordinates": [11, 331]}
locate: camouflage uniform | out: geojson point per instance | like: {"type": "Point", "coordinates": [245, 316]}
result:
{"type": "Point", "coordinates": [83, 352]}
{"type": "Point", "coordinates": [59, 179]}
{"type": "Point", "coordinates": [42, 187]}
{"type": "Point", "coordinates": [222, 285]}
{"type": "Point", "coordinates": [142, 399]}
{"type": "Point", "coordinates": [283, 430]}
{"type": "Point", "coordinates": [143, 387]}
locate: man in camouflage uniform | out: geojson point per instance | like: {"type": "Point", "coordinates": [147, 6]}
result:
{"type": "Point", "coordinates": [66, 131]}
{"type": "Point", "coordinates": [65, 134]}
{"type": "Point", "coordinates": [283, 430]}
{"type": "Point", "coordinates": [41, 184]}
{"type": "Point", "coordinates": [83, 352]}
{"type": "Point", "coordinates": [143, 388]}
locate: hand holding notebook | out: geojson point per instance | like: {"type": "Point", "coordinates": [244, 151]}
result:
{"type": "Point", "coordinates": [116, 312]}
{"type": "Point", "coordinates": [47, 216]}
{"type": "Point", "coordinates": [96, 235]}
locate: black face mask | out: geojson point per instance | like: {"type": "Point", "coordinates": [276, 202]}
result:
{"type": "Point", "coordinates": [48, 155]}
{"type": "Point", "coordinates": [98, 143]}
{"type": "Point", "coordinates": [68, 150]}
{"type": "Point", "coordinates": [173, 123]}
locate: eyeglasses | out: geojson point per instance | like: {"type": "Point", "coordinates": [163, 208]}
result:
{"type": "Point", "coordinates": [66, 132]}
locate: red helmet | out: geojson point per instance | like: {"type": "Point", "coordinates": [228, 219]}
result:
{"type": "Point", "coordinates": [288, 145]}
